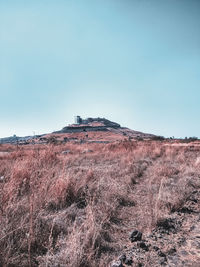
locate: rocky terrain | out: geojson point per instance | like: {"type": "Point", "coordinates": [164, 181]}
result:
{"type": "Point", "coordinates": [175, 241]}
{"type": "Point", "coordinates": [122, 203]}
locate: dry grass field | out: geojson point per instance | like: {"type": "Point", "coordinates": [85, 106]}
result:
{"type": "Point", "coordinates": [79, 207]}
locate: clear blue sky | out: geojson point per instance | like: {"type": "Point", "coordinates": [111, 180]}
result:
{"type": "Point", "coordinates": [136, 62]}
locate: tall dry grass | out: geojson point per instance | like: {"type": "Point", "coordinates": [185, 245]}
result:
{"type": "Point", "coordinates": [77, 209]}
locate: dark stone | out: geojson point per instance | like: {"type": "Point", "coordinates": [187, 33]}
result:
{"type": "Point", "coordinates": [161, 254]}
{"type": "Point", "coordinates": [166, 225]}
{"type": "Point", "coordinates": [122, 258]}
{"type": "Point", "coordinates": [172, 251]}
{"type": "Point", "coordinates": [155, 248]}
{"type": "Point", "coordinates": [163, 258]}
{"type": "Point", "coordinates": [129, 261]}
{"type": "Point", "coordinates": [185, 210]}
{"type": "Point", "coordinates": [135, 236]}
{"type": "Point", "coordinates": [143, 245]}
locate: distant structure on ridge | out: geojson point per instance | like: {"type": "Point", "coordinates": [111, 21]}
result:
{"type": "Point", "coordinates": [89, 124]}
{"type": "Point", "coordinates": [78, 120]}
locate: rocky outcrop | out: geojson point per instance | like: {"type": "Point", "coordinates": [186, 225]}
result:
{"type": "Point", "coordinates": [175, 241]}
{"type": "Point", "coordinates": [101, 120]}
{"type": "Point", "coordinates": [135, 236]}
{"type": "Point", "coordinates": [102, 124]}
{"type": "Point", "coordinates": [90, 124]}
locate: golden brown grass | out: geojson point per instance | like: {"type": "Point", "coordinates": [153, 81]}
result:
{"type": "Point", "coordinates": [77, 209]}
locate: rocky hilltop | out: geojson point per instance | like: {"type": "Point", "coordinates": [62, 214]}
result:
{"type": "Point", "coordinates": [89, 124]}
{"type": "Point", "coordinates": [101, 124]}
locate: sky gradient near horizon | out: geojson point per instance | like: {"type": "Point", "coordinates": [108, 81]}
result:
{"type": "Point", "coordinates": [136, 62]}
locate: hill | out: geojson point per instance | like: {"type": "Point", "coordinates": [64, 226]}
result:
{"type": "Point", "coordinates": [101, 124]}
{"type": "Point", "coordinates": [84, 130]}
